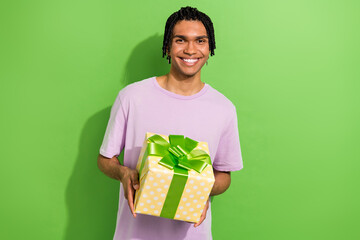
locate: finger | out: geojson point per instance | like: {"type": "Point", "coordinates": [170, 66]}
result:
{"type": "Point", "coordinates": [131, 200]}
{"type": "Point", "coordinates": [203, 214]}
{"type": "Point", "coordinates": [202, 217]}
{"type": "Point", "coordinates": [125, 187]}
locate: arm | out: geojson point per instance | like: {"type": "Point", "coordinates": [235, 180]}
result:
{"type": "Point", "coordinates": [221, 184]}
{"type": "Point", "coordinates": [128, 177]}
{"type": "Point", "coordinates": [111, 167]}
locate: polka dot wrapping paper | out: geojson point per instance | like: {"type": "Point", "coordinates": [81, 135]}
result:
{"type": "Point", "coordinates": [156, 179]}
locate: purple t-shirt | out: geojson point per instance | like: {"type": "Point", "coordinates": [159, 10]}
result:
{"type": "Point", "coordinates": [145, 106]}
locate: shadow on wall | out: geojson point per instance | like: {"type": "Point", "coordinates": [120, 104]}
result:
{"type": "Point", "coordinates": [146, 60]}
{"type": "Point", "coordinates": [92, 197]}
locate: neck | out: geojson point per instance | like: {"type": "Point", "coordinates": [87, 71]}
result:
{"type": "Point", "coordinates": [180, 84]}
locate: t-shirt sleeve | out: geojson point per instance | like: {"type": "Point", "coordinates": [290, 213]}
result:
{"type": "Point", "coordinates": [114, 139]}
{"type": "Point", "coordinates": [228, 156]}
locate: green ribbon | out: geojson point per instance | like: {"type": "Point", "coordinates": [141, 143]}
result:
{"type": "Point", "coordinates": [180, 156]}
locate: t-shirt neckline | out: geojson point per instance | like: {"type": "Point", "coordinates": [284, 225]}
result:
{"type": "Point", "coordinates": [178, 96]}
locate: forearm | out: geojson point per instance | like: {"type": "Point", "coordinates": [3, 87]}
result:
{"type": "Point", "coordinates": [222, 182]}
{"type": "Point", "coordinates": [111, 167]}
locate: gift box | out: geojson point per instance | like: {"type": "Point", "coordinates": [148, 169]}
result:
{"type": "Point", "coordinates": [176, 177]}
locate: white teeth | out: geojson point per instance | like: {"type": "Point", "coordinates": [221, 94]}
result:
{"type": "Point", "coordinates": [190, 60]}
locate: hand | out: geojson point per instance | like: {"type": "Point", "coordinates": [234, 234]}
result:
{"type": "Point", "coordinates": [130, 182]}
{"type": "Point", "coordinates": [203, 214]}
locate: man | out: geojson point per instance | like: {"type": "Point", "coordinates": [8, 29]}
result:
{"type": "Point", "coordinates": [176, 103]}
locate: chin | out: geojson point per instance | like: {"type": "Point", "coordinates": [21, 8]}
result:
{"type": "Point", "coordinates": [189, 74]}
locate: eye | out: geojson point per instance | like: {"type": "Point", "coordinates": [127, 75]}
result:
{"type": "Point", "coordinates": [201, 40]}
{"type": "Point", "coordinates": [179, 40]}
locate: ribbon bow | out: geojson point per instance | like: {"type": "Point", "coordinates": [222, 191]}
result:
{"type": "Point", "coordinates": [179, 152]}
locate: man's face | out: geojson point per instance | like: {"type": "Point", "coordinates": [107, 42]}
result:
{"type": "Point", "coordinates": [189, 49]}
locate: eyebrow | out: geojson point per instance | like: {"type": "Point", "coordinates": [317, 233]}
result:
{"type": "Point", "coordinates": [184, 37]}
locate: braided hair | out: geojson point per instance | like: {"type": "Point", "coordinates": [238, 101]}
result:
{"type": "Point", "coordinates": [188, 13]}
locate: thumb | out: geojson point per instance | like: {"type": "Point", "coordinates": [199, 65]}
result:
{"type": "Point", "coordinates": [135, 181]}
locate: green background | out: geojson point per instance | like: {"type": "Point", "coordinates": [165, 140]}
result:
{"type": "Point", "coordinates": [290, 67]}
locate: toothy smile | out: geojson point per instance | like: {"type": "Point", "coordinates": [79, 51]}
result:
{"type": "Point", "coordinates": [190, 60]}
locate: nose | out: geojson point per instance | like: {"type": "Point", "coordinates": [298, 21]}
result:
{"type": "Point", "coordinates": [190, 48]}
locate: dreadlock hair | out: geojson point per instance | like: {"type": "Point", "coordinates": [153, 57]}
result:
{"type": "Point", "coordinates": [188, 13]}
